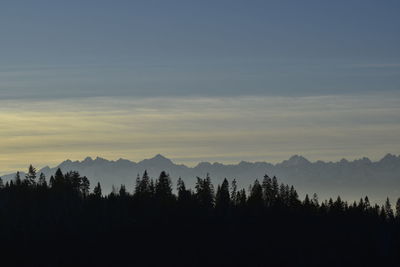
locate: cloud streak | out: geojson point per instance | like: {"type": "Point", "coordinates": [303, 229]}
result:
{"type": "Point", "coordinates": [191, 129]}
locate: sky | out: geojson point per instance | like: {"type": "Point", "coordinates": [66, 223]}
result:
{"type": "Point", "coordinates": [198, 80]}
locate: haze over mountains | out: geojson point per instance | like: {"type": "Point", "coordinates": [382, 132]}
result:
{"type": "Point", "coordinates": [349, 179]}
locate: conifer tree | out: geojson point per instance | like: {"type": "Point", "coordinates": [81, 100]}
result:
{"type": "Point", "coordinates": [234, 192]}
{"type": "Point", "coordinates": [267, 190]}
{"type": "Point", "coordinates": [97, 190]}
{"type": "Point", "coordinates": [388, 209]}
{"type": "Point", "coordinates": [31, 175]}
{"type": "Point", "coordinates": [42, 180]}
{"type": "Point", "coordinates": [398, 209]}
{"type": "Point", "coordinates": [255, 200]}
{"type": "Point", "coordinates": [222, 199]}
{"type": "Point", "coordinates": [205, 192]}
{"type": "Point", "coordinates": [52, 181]}
{"type": "Point", "coordinates": [17, 179]}
{"type": "Point", "coordinates": [59, 181]}
{"type": "Point", "coordinates": [314, 200]}
{"type": "Point", "coordinates": [85, 186]}
{"type": "Point", "coordinates": [307, 202]}
{"type": "Point", "coordinates": [122, 191]}
{"type": "Point", "coordinates": [183, 194]}
{"type": "Point", "coordinates": [275, 189]}
{"type": "Point", "coordinates": [163, 188]}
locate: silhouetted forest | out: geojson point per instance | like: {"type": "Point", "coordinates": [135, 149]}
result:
{"type": "Point", "coordinates": [60, 221]}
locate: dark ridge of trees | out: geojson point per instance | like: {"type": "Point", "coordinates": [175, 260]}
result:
{"type": "Point", "coordinates": [61, 222]}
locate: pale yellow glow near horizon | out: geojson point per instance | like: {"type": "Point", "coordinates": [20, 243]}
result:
{"type": "Point", "coordinates": [190, 130]}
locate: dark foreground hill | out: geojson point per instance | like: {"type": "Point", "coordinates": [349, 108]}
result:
{"type": "Point", "coordinates": [57, 222]}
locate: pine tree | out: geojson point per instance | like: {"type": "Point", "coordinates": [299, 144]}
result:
{"type": "Point", "coordinates": [42, 180]}
{"type": "Point", "coordinates": [97, 191]}
{"type": "Point", "coordinates": [398, 209]}
{"type": "Point", "coordinates": [85, 186]}
{"type": "Point", "coordinates": [256, 196]}
{"type": "Point", "coordinates": [183, 194]}
{"type": "Point", "coordinates": [307, 202]}
{"type": "Point", "coordinates": [52, 182]}
{"type": "Point", "coordinates": [59, 181]}
{"type": "Point", "coordinates": [17, 179]}
{"type": "Point", "coordinates": [367, 205]}
{"type": "Point", "coordinates": [31, 175]}
{"type": "Point", "coordinates": [241, 198]}
{"type": "Point", "coordinates": [222, 199]}
{"type": "Point", "coordinates": [122, 191]}
{"type": "Point", "coordinates": [315, 201]}
{"type": "Point", "coordinates": [137, 185]}
{"type": "Point", "coordinates": [1, 183]}
{"type": "Point", "coordinates": [267, 190]}
{"type": "Point", "coordinates": [205, 192]}
{"type": "Point", "coordinates": [293, 198]}
{"type": "Point", "coordinates": [234, 192]}
{"type": "Point", "coordinates": [388, 210]}
{"type": "Point", "coordinates": [163, 188]}
{"type": "Point", "coordinates": [275, 189]}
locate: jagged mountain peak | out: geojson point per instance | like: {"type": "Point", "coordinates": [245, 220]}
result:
{"type": "Point", "coordinates": [296, 160]}
{"type": "Point", "coordinates": [157, 160]}
{"type": "Point", "coordinates": [389, 158]}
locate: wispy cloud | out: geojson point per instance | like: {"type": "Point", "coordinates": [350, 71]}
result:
{"type": "Point", "coordinates": [230, 129]}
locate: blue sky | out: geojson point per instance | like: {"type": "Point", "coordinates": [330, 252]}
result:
{"type": "Point", "coordinates": [198, 80]}
{"type": "Point", "coordinates": [198, 48]}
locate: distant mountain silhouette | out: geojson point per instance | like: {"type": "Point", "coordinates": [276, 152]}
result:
{"type": "Point", "coordinates": [350, 179]}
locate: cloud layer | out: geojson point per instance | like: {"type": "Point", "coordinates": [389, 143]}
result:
{"type": "Point", "coordinates": [192, 129]}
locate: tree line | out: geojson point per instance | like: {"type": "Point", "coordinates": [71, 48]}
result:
{"type": "Point", "coordinates": [266, 225]}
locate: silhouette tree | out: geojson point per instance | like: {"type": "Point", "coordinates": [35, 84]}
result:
{"type": "Point", "coordinates": [256, 196]}
{"type": "Point", "coordinates": [52, 182]}
{"type": "Point", "coordinates": [388, 210]}
{"type": "Point", "coordinates": [143, 189]}
{"type": "Point", "coordinates": [234, 192]}
{"type": "Point", "coordinates": [205, 192]}
{"type": "Point", "coordinates": [42, 180]}
{"type": "Point", "coordinates": [184, 195]}
{"type": "Point", "coordinates": [268, 194]}
{"type": "Point", "coordinates": [97, 191]}
{"type": "Point", "coordinates": [85, 186]}
{"type": "Point", "coordinates": [30, 176]}
{"type": "Point", "coordinates": [122, 191]}
{"type": "Point", "coordinates": [398, 208]}
{"type": "Point", "coordinates": [222, 199]}
{"type": "Point", "coordinates": [163, 188]}
{"type": "Point", "coordinates": [17, 179]}
{"type": "Point", "coordinates": [275, 189]}
{"type": "Point", "coordinates": [59, 181]}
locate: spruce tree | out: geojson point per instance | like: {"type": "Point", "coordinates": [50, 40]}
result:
{"type": "Point", "coordinates": [222, 199]}
{"type": "Point", "coordinates": [205, 192]}
{"type": "Point", "coordinates": [30, 177]}
{"type": "Point", "coordinates": [17, 179]}
{"type": "Point", "coordinates": [122, 191]}
{"type": "Point", "coordinates": [85, 186]}
{"type": "Point", "coordinates": [97, 190]}
{"type": "Point", "coordinates": [388, 209]}
{"type": "Point", "coordinates": [234, 192]}
{"type": "Point", "coordinates": [398, 209]}
{"type": "Point", "coordinates": [267, 190]}
{"type": "Point", "coordinates": [256, 196]}
{"type": "Point", "coordinates": [163, 188]}
{"type": "Point", "coordinates": [42, 180]}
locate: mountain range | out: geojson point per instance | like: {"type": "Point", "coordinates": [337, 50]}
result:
{"type": "Point", "coordinates": [349, 179]}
